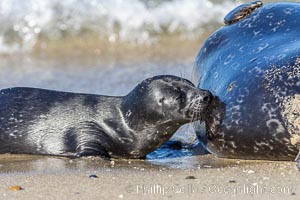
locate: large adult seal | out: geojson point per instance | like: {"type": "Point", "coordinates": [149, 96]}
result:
{"type": "Point", "coordinates": [38, 121]}
{"type": "Point", "coordinates": [253, 65]}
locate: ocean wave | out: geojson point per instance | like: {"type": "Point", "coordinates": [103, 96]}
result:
{"type": "Point", "coordinates": [23, 23]}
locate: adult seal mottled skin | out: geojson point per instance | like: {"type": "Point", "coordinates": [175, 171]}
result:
{"type": "Point", "coordinates": [45, 122]}
{"type": "Point", "coordinates": [253, 65]}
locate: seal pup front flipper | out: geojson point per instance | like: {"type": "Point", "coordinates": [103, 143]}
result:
{"type": "Point", "coordinates": [85, 139]}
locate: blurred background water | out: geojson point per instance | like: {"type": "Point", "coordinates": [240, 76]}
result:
{"type": "Point", "coordinates": [92, 26]}
{"type": "Point", "coordinates": [33, 24]}
{"type": "Point", "coordinates": [103, 46]}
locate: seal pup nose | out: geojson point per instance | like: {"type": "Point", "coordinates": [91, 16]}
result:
{"type": "Point", "coordinates": [205, 96]}
{"type": "Point", "coordinates": [201, 100]}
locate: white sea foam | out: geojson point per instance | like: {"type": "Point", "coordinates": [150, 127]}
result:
{"type": "Point", "coordinates": [23, 22]}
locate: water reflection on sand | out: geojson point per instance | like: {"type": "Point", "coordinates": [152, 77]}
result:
{"type": "Point", "coordinates": [16, 164]}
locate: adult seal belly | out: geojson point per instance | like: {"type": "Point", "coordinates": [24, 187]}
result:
{"type": "Point", "coordinates": [45, 122]}
{"type": "Point", "coordinates": [253, 65]}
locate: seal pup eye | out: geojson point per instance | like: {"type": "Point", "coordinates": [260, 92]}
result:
{"type": "Point", "coordinates": [161, 100]}
{"type": "Point", "coordinates": [181, 97]}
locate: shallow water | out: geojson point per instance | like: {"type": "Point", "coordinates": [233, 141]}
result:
{"type": "Point", "coordinates": [24, 23]}
{"type": "Point", "coordinates": [27, 25]}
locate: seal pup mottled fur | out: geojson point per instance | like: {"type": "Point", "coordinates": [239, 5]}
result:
{"type": "Point", "coordinates": [46, 122]}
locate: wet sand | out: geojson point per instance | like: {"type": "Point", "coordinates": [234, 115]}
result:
{"type": "Point", "coordinates": [210, 178]}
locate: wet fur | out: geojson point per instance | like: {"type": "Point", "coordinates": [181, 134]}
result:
{"type": "Point", "coordinates": [45, 122]}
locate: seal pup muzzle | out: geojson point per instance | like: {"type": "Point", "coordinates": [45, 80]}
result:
{"type": "Point", "coordinates": [46, 122]}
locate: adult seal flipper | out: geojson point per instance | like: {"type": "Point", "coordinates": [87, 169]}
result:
{"type": "Point", "coordinates": [253, 65]}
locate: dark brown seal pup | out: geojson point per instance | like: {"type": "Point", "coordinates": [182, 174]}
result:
{"type": "Point", "coordinates": [45, 122]}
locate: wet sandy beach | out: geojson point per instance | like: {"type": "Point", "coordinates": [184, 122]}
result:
{"type": "Point", "coordinates": [93, 178]}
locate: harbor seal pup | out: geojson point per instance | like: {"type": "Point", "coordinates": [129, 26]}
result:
{"type": "Point", "coordinates": [46, 122]}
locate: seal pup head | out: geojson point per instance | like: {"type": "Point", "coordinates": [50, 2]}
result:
{"type": "Point", "coordinates": [167, 99]}
{"type": "Point", "coordinates": [156, 108]}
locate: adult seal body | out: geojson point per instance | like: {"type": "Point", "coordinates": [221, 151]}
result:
{"type": "Point", "coordinates": [253, 65]}
{"type": "Point", "coordinates": [45, 122]}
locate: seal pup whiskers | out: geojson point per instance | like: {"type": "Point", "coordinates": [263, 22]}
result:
{"type": "Point", "coordinates": [46, 122]}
